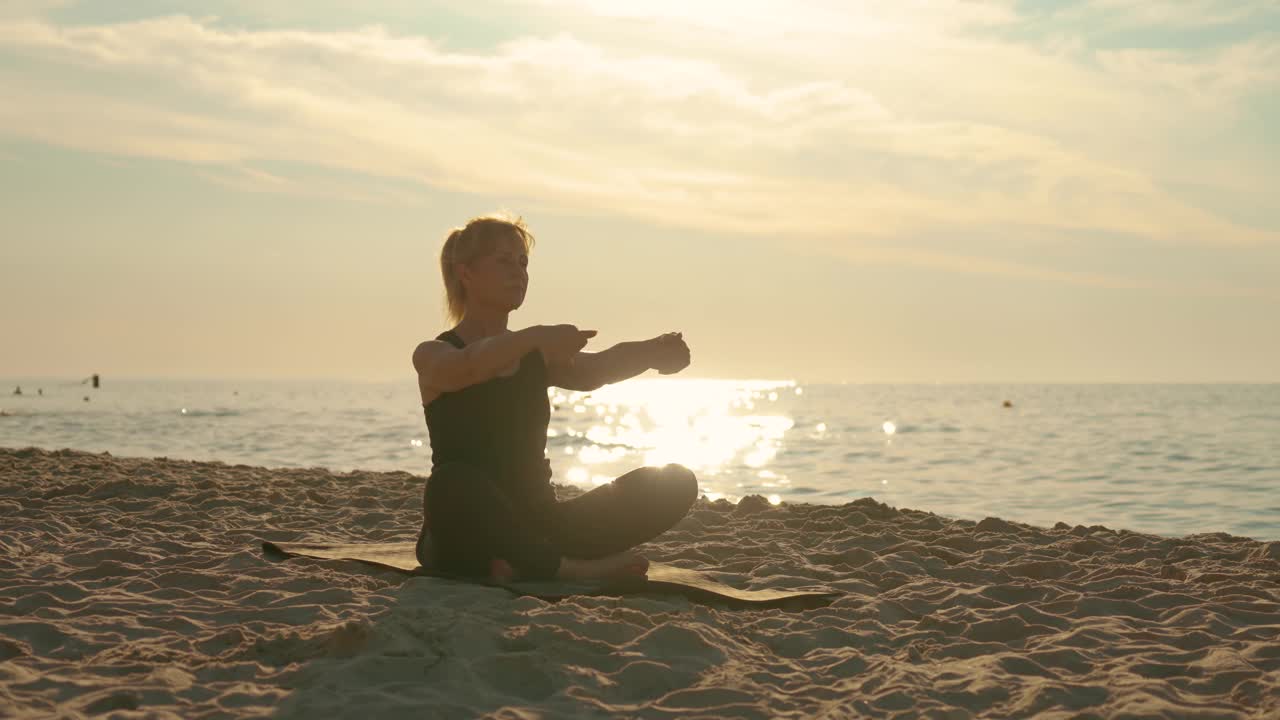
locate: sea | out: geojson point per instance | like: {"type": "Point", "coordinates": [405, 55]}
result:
{"type": "Point", "coordinates": [1166, 459]}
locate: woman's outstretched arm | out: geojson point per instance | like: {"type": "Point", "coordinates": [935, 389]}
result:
{"type": "Point", "coordinates": [666, 353]}
{"type": "Point", "coordinates": [447, 368]}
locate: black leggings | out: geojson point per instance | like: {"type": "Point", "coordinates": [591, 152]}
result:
{"type": "Point", "coordinates": [471, 521]}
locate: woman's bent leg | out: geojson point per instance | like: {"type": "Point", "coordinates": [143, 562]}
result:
{"type": "Point", "coordinates": [471, 522]}
{"type": "Point", "coordinates": [635, 508]}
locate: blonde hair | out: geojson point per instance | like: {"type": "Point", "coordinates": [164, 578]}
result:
{"type": "Point", "coordinates": [478, 238]}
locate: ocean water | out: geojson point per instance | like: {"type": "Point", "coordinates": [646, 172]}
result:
{"type": "Point", "coordinates": [1166, 459]}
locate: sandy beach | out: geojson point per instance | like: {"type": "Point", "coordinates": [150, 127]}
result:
{"type": "Point", "coordinates": [136, 587]}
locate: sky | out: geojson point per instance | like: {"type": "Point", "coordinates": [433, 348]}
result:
{"type": "Point", "coordinates": [844, 191]}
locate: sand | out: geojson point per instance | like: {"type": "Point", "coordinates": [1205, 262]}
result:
{"type": "Point", "coordinates": [136, 587]}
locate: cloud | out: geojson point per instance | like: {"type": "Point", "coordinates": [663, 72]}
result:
{"type": "Point", "coordinates": [753, 20]}
{"type": "Point", "coordinates": [832, 142]}
{"type": "Point", "coordinates": [1215, 78]}
{"type": "Point", "coordinates": [1171, 13]}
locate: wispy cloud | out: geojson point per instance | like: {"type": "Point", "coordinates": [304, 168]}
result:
{"type": "Point", "coordinates": [756, 19]}
{"type": "Point", "coordinates": [931, 121]}
{"type": "Point", "coordinates": [1216, 78]}
{"type": "Point", "coordinates": [1172, 13]}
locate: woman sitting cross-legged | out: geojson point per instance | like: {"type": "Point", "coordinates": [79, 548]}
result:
{"type": "Point", "coordinates": [489, 508]}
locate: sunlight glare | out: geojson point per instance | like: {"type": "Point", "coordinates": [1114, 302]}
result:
{"type": "Point", "coordinates": [701, 424]}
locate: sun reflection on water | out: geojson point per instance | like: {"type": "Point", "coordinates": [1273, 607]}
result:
{"type": "Point", "coordinates": [715, 427]}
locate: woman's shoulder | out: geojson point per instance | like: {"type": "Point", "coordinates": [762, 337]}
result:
{"type": "Point", "coordinates": [451, 337]}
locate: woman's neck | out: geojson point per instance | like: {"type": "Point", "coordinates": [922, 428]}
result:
{"type": "Point", "coordinates": [476, 324]}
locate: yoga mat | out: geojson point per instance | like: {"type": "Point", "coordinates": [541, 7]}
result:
{"type": "Point", "coordinates": [662, 579]}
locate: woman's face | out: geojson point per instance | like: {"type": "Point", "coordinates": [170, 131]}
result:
{"type": "Point", "coordinates": [501, 277]}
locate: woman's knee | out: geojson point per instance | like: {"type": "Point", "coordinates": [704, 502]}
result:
{"type": "Point", "coordinates": [680, 484]}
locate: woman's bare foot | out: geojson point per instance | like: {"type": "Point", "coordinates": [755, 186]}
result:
{"type": "Point", "coordinates": [610, 567]}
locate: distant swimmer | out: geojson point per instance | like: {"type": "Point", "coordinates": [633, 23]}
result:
{"type": "Point", "coordinates": [39, 391]}
{"type": "Point", "coordinates": [1008, 404]}
{"type": "Point", "coordinates": [86, 398]}
{"type": "Point", "coordinates": [17, 390]}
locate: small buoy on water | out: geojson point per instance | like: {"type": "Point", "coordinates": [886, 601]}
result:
{"type": "Point", "coordinates": [1008, 404]}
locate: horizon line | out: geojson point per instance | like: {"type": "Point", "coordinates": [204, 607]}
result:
{"type": "Point", "coordinates": [56, 380]}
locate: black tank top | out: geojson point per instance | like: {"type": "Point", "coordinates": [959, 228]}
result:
{"type": "Point", "coordinates": [500, 426]}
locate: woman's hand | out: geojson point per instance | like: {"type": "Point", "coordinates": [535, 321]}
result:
{"type": "Point", "coordinates": [670, 354]}
{"type": "Point", "coordinates": [559, 343]}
